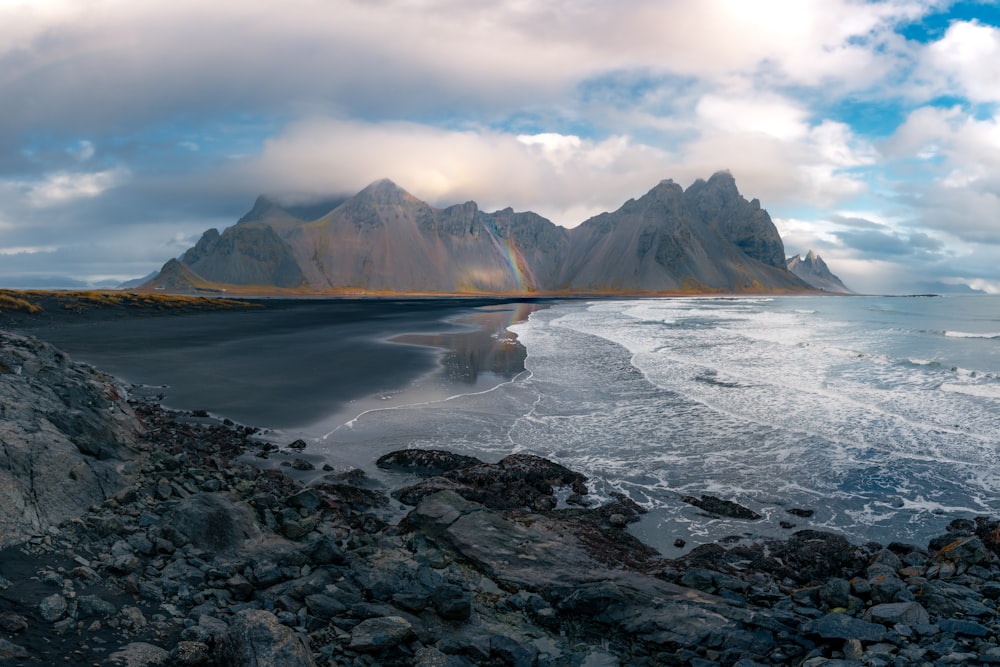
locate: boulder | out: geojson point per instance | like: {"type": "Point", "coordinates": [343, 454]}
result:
{"type": "Point", "coordinates": [140, 654]}
{"type": "Point", "coordinates": [843, 626]}
{"type": "Point", "coordinates": [380, 633]}
{"type": "Point", "coordinates": [517, 481]}
{"type": "Point", "coordinates": [907, 613]}
{"type": "Point", "coordinates": [721, 507]}
{"type": "Point", "coordinates": [425, 462]}
{"type": "Point", "coordinates": [68, 435]}
{"type": "Point", "coordinates": [52, 608]}
{"type": "Point", "coordinates": [9, 651]}
{"type": "Point", "coordinates": [255, 638]}
{"type": "Point", "coordinates": [215, 522]}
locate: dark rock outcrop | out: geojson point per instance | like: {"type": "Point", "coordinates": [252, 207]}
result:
{"type": "Point", "coordinates": [66, 432]}
{"type": "Point", "coordinates": [517, 481]}
{"type": "Point", "coordinates": [425, 462]}
{"type": "Point", "coordinates": [722, 507]}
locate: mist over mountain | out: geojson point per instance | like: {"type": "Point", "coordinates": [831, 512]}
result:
{"type": "Point", "coordinates": [813, 270]}
{"type": "Point", "coordinates": [706, 239]}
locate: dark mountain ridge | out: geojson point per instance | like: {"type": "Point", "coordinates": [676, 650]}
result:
{"type": "Point", "coordinates": [708, 238]}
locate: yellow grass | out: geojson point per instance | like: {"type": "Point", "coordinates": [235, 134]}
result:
{"type": "Point", "coordinates": [11, 302]}
{"type": "Point", "coordinates": [29, 301]}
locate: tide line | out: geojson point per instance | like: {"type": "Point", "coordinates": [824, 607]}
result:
{"type": "Point", "coordinates": [350, 423]}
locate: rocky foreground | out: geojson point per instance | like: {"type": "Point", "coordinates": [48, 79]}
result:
{"type": "Point", "coordinates": [190, 556]}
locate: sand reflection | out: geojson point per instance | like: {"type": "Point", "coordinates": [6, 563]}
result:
{"type": "Point", "coordinates": [488, 348]}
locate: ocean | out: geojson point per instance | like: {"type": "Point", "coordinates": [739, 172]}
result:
{"type": "Point", "coordinates": [879, 414]}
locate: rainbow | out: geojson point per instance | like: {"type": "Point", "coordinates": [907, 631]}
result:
{"type": "Point", "coordinates": [518, 267]}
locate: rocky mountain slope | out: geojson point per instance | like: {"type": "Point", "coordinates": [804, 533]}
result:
{"type": "Point", "coordinates": [385, 240]}
{"type": "Point", "coordinates": [813, 270]}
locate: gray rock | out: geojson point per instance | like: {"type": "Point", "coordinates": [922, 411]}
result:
{"type": "Point", "coordinates": [892, 613]}
{"type": "Point", "coordinates": [430, 656]}
{"type": "Point", "coordinates": [963, 627]}
{"type": "Point", "coordinates": [66, 431]}
{"type": "Point", "coordinates": [836, 592]}
{"type": "Point", "coordinates": [214, 522]}
{"type": "Point", "coordinates": [240, 587]}
{"type": "Point", "coordinates": [324, 606]}
{"type": "Point", "coordinates": [89, 606]}
{"type": "Point", "coordinates": [452, 602]}
{"type": "Point", "coordinates": [380, 633]}
{"type": "Point", "coordinates": [964, 552]}
{"type": "Point", "coordinates": [842, 626]}
{"type": "Point", "coordinates": [533, 554]}
{"type": "Point", "coordinates": [190, 654]}
{"type": "Point", "coordinates": [595, 598]}
{"type": "Point", "coordinates": [722, 507]}
{"type": "Point", "coordinates": [512, 652]}
{"type": "Point", "coordinates": [424, 462]}
{"type": "Point", "coordinates": [13, 623]}
{"type": "Point", "coordinates": [140, 654]}
{"type": "Point", "coordinates": [947, 600]}
{"type": "Point", "coordinates": [326, 551]}
{"type": "Point", "coordinates": [52, 608]}
{"type": "Point", "coordinates": [887, 587]}
{"type": "Point", "coordinates": [11, 651]}
{"type": "Point", "coordinates": [134, 618]}
{"type": "Point", "coordinates": [308, 500]}
{"type": "Point", "coordinates": [255, 638]}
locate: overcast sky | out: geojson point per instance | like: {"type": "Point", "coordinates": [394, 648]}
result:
{"type": "Point", "coordinates": [869, 130]}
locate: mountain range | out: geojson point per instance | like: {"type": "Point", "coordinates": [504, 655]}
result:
{"type": "Point", "coordinates": [814, 271]}
{"type": "Point", "coordinates": [383, 240]}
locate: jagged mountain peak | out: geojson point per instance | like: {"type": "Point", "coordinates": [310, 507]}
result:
{"type": "Point", "coordinates": [269, 209]}
{"type": "Point", "coordinates": [720, 187]}
{"type": "Point", "coordinates": [720, 205]}
{"type": "Point", "coordinates": [814, 271]}
{"type": "Point", "coordinates": [384, 192]}
{"type": "Point", "coordinates": [383, 239]}
{"type": "Point", "coordinates": [665, 188]}
{"type": "Point", "coordinates": [263, 208]}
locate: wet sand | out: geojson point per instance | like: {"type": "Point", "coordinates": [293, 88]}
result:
{"type": "Point", "coordinates": [292, 362]}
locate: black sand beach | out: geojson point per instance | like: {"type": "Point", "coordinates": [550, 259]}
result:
{"type": "Point", "coordinates": [288, 362]}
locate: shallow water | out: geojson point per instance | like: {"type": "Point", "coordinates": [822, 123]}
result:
{"type": "Point", "coordinates": [881, 414]}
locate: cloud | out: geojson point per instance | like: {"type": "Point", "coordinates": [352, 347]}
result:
{"type": "Point", "coordinates": [28, 250]}
{"type": "Point", "coordinates": [564, 177]}
{"type": "Point", "coordinates": [166, 116]}
{"type": "Point", "coordinates": [107, 65]}
{"type": "Point", "coordinates": [560, 176]}
{"type": "Point", "coordinates": [848, 220]}
{"type": "Point", "coordinates": [766, 114]}
{"type": "Point", "coordinates": [963, 62]}
{"type": "Point", "coordinates": [954, 161]}
{"type": "Point", "coordinates": [82, 151]}
{"type": "Point", "coordinates": [64, 187]}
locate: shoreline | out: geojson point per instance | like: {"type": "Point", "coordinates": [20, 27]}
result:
{"type": "Point", "coordinates": [283, 364]}
{"type": "Point", "coordinates": [810, 599]}
{"type": "Point", "coordinates": [197, 559]}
